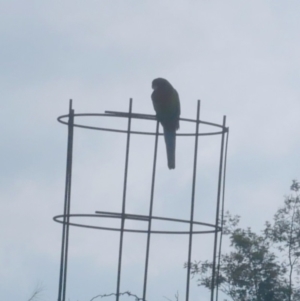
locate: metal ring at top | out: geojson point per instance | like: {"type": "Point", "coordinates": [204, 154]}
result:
{"type": "Point", "coordinates": [138, 116]}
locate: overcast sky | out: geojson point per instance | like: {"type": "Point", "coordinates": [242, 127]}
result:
{"type": "Point", "coordinates": [241, 58]}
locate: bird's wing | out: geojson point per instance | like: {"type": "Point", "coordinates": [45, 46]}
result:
{"type": "Point", "coordinates": [167, 107]}
{"type": "Point", "coordinates": [176, 103]}
{"type": "Point", "coordinates": [161, 100]}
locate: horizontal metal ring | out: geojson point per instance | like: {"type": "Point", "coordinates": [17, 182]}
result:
{"type": "Point", "coordinates": [105, 214]}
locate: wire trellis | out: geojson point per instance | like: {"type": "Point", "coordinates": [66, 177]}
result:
{"type": "Point", "coordinates": [213, 228]}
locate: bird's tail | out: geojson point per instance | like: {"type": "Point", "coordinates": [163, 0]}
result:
{"type": "Point", "coordinates": [170, 139]}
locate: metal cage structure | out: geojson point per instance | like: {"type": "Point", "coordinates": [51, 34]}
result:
{"type": "Point", "coordinates": [214, 228]}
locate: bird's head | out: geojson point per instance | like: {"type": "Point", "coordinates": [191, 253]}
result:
{"type": "Point", "coordinates": [159, 83]}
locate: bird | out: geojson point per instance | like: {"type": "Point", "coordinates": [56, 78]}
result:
{"type": "Point", "coordinates": [167, 107]}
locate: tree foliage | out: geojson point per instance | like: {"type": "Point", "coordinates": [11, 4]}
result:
{"type": "Point", "coordinates": [284, 232]}
{"type": "Point", "coordinates": [253, 271]}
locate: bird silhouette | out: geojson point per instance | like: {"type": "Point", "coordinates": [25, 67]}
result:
{"type": "Point", "coordinates": [167, 107]}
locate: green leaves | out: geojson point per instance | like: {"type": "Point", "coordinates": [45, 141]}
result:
{"type": "Point", "coordinates": [252, 271]}
{"type": "Point", "coordinates": [285, 234]}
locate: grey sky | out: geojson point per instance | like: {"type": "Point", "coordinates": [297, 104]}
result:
{"type": "Point", "coordinates": [241, 58]}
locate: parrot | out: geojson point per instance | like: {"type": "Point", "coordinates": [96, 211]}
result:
{"type": "Point", "coordinates": [166, 104]}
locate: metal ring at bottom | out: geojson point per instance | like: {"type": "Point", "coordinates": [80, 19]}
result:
{"type": "Point", "coordinates": [106, 214]}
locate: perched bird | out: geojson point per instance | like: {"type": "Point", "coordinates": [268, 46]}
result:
{"type": "Point", "coordinates": [167, 107]}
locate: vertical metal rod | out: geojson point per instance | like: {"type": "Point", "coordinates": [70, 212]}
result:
{"type": "Point", "coordinates": [64, 243]}
{"type": "Point", "coordinates": [150, 212]}
{"type": "Point", "coordinates": [68, 208]}
{"type": "Point", "coordinates": [124, 202]}
{"type": "Point", "coordinates": [222, 212]}
{"type": "Point", "coordinates": [217, 213]}
{"type": "Point", "coordinates": [192, 204]}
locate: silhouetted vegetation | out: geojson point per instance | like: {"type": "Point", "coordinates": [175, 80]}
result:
{"type": "Point", "coordinates": [260, 267]}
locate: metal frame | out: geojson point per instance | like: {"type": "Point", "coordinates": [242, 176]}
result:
{"type": "Point", "coordinates": [66, 216]}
